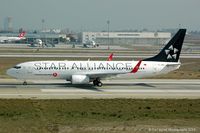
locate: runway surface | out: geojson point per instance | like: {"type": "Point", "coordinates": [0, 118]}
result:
{"type": "Point", "coordinates": [125, 88]}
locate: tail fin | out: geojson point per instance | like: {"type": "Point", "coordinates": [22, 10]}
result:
{"type": "Point", "coordinates": [22, 34]}
{"type": "Point", "coordinates": [172, 50]}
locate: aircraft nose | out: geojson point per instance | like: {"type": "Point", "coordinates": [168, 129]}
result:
{"type": "Point", "coordinates": [11, 72]}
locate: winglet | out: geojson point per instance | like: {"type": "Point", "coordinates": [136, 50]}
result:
{"type": "Point", "coordinates": [135, 69]}
{"type": "Point", "coordinates": [110, 57]}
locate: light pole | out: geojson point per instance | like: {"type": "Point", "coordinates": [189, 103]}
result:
{"type": "Point", "coordinates": [43, 29]}
{"type": "Point", "coordinates": [43, 21]}
{"type": "Point", "coordinates": [108, 22]}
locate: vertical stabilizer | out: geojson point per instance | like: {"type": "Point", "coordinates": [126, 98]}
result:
{"type": "Point", "coordinates": [172, 50]}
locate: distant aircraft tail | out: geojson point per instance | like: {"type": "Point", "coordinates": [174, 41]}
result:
{"type": "Point", "coordinates": [171, 52]}
{"type": "Point", "coordinates": [22, 34]}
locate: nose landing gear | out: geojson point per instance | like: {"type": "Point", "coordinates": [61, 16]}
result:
{"type": "Point", "coordinates": [97, 82]}
{"type": "Point", "coordinates": [25, 83]}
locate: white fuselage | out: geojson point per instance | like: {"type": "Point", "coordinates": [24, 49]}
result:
{"type": "Point", "coordinates": [10, 39]}
{"type": "Point", "coordinates": [92, 69]}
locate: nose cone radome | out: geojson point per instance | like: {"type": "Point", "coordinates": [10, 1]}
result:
{"type": "Point", "coordinates": [11, 72]}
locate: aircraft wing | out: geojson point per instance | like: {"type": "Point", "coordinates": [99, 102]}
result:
{"type": "Point", "coordinates": [103, 75]}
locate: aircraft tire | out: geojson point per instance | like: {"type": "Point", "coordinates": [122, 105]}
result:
{"type": "Point", "coordinates": [97, 82]}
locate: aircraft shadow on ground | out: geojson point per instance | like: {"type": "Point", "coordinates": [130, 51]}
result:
{"type": "Point", "coordinates": [90, 86]}
{"type": "Point", "coordinates": [62, 85]}
{"type": "Point", "coordinates": [66, 85]}
{"type": "Point", "coordinates": [86, 87]}
{"type": "Point", "coordinates": [132, 84]}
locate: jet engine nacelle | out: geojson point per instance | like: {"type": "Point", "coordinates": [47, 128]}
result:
{"type": "Point", "coordinates": [80, 79]}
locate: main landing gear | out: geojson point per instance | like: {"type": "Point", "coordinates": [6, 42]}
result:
{"type": "Point", "coordinates": [97, 82]}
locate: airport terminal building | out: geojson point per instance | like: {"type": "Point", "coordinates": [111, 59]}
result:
{"type": "Point", "coordinates": [115, 38]}
{"type": "Point", "coordinates": [123, 38]}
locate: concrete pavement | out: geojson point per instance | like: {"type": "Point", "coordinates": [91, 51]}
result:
{"type": "Point", "coordinates": [124, 88]}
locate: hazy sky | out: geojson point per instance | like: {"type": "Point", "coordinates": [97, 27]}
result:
{"type": "Point", "coordinates": [92, 14]}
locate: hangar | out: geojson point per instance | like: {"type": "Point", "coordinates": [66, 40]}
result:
{"type": "Point", "coordinates": [126, 37]}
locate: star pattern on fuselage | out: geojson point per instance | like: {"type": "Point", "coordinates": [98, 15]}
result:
{"type": "Point", "coordinates": [171, 52]}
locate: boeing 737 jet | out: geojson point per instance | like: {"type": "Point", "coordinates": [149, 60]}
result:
{"type": "Point", "coordinates": [4, 39]}
{"type": "Point", "coordinates": [84, 72]}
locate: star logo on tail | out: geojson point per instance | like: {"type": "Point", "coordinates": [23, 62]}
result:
{"type": "Point", "coordinates": [171, 52]}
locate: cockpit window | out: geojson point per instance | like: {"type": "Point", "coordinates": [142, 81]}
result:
{"type": "Point", "coordinates": [17, 67]}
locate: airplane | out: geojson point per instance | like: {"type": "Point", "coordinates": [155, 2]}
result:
{"type": "Point", "coordinates": [4, 39]}
{"type": "Point", "coordinates": [84, 72]}
{"type": "Point", "coordinates": [41, 44]}
{"type": "Point", "coordinates": [36, 43]}
{"type": "Point", "coordinates": [90, 44]}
